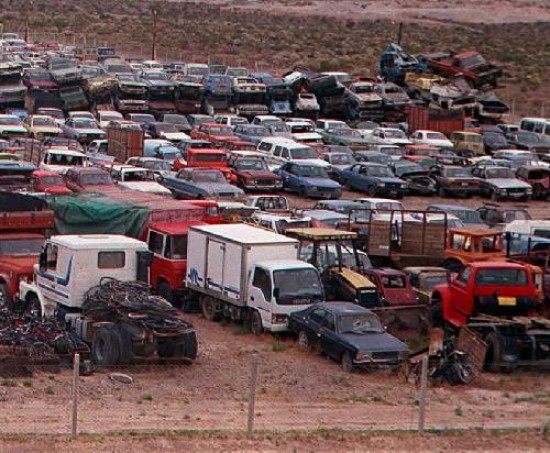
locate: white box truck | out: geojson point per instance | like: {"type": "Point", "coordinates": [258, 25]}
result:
{"type": "Point", "coordinates": [246, 273]}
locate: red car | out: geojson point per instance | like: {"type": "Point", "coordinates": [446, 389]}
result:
{"type": "Point", "coordinates": [89, 179]}
{"type": "Point", "coordinates": [538, 177]}
{"type": "Point", "coordinates": [215, 133]}
{"type": "Point", "coordinates": [393, 286]}
{"type": "Point", "coordinates": [49, 182]}
{"type": "Point", "coordinates": [209, 158]}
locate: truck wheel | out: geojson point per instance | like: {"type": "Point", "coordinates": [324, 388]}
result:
{"type": "Point", "coordinates": [346, 362]}
{"type": "Point", "coordinates": [256, 326]}
{"type": "Point", "coordinates": [452, 265]}
{"type": "Point", "coordinates": [106, 347]}
{"type": "Point", "coordinates": [189, 348]}
{"type": "Point", "coordinates": [33, 307]}
{"type": "Point", "coordinates": [126, 350]}
{"type": "Point", "coordinates": [209, 309]}
{"type": "Point", "coordinates": [5, 300]}
{"type": "Point", "coordinates": [371, 191]}
{"type": "Point", "coordinates": [436, 314]}
{"type": "Point", "coordinates": [166, 292]}
{"type": "Point", "coordinates": [493, 357]}
{"type": "Point", "coordinates": [303, 341]}
{"type": "Point", "coordinates": [167, 349]}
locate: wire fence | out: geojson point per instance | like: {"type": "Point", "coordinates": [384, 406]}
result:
{"type": "Point", "coordinates": [251, 398]}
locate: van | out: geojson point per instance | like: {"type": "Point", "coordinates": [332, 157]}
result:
{"type": "Point", "coordinates": [540, 228]}
{"type": "Point", "coordinates": [280, 150]}
{"type": "Point", "coordinates": [468, 144]}
{"type": "Point", "coordinates": [539, 126]}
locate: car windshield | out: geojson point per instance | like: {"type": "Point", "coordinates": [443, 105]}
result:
{"type": "Point", "coordinates": [45, 121]}
{"type": "Point", "coordinates": [494, 138]}
{"type": "Point", "coordinates": [272, 203]}
{"type": "Point", "coordinates": [52, 181]}
{"type": "Point", "coordinates": [501, 277]}
{"type": "Point", "coordinates": [96, 179]}
{"type": "Point", "coordinates": [85, 124]}
{"type": "Point", "coordinates": [138, 175]}
{"type": "Point", "coordinates": [393, 281]}
{"type": "Point", "coordinates": [510, 216]}
{"type": "Point", "coordinates": [53, 113]}
{"type": "Point", "coordinates": [527, 137]}
{"type": "Point", "coordinates": [143, 118]}
{"type": "Point", "coordinates": [458, 172]}
{"type": "Point", "coordinates": [297, 286]}
{"type": "Point", "coordinates": [258, 131]}
{"type": "Point", "coordinates": [156, 164]}
{"type": "Point", "coordinates": [210, 157]}
{"type": "Point", "coordinates": [381, 172]}
{"type": "Point", "coordinates": [155, 76]}
{"type": "Point", "coordinates": [363, 89]}
{"type": "Point", "coordinates": [197, 70]}
{"type": "Point", "coordinates": [474, 60]}
{"type": "Point", "coordinates": [279, 127]}
{"type": "Point", "coordinates": [311, 171]}
{"type": "Point", "coordinates": [21, 246]}
{"type": "Point", "coordinates": [175, 119]}
{"type": "Point", "coordinates": [304, 153]}
{"type": "Point", "coordinates": [39, 75]}
{"type": "Point", "coordinates": [207, 176]}
{"type": "Point", "coordinates": [251, 164]}
{"type": "Point", "coordinates": [433, 280]}
{"type": "Point", "coordinates": [66, 159]}
{"type": "Point", "coordinates": [110, 117]}
{"type": "Point", "coordinates": [10, 121]}
{"type": "Point", "coordinates": [499, 173]}
{"type": "Point", "coordinates": [360, 324]}
{"type": "Point", "coordinates": [342, 159]}
{"type": "Point", "coordinates": [177, 247]}
{"type": "Point", "coordinates": [466, 216]}
{"type": "Point", "coordinates": [220, 130]}
{"type": "Point", "coordinates": [435, 136]}
{"type": "Point", "coordinates": [394, 133]}
{"type": "Point", "coordinates": [165, 127]}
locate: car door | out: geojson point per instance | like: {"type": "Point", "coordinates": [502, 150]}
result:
{"type": "Point", "coordinates": [313, 324]}
{"type": "Point", "coordinates": [294, 179]}
{"type": "Point", "coordinates": [330, 344]}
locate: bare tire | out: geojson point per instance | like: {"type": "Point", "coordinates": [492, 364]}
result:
{"type": "Point", "coordinates": [256, 326]}
{"type": "Point", "coordinates": [5, 299]}
{"type": "Point", "coordinates": [105, 347]}
{"type": "Point", "coordinates": [347, 362]}
{"type": "Point", "coordinates": [371, 191]}
{"type": "Point", "coordinates": [166, 292]}
{"type": "Point", "coordinates": [303, 341]}
{"type": "Point", "coordinates": [209, 309]}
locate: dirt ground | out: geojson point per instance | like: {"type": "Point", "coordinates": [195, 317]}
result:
{"type": "Point", "coordinates": [527, 441]}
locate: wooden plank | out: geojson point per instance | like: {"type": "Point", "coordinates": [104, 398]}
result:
{"type": "Point", "coordinates": [474, 346]}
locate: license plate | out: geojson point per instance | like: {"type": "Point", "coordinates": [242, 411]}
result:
{"type": "Point", "coordinates": [507, 301]}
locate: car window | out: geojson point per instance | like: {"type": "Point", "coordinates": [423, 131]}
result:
{"type": "Point", "coordinates": [464, 276]}
{"type": "Point", "coordinates": [329, 322]}
{"type": "Point", "coordinates": [262, 281]}
{"type": "Point", "coordinates": [318, 315]}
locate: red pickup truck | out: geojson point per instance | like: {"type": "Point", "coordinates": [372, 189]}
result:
{"type": "Point", "coordinates": [208, 158]}
{"type": "Point", "coordinates": [215, 133]}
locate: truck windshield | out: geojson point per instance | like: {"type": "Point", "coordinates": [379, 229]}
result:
{"type": "Point", "coordinates": [360, 324]}
{"type": "Point", "coordinates": [21, 246]}
{"type": "Point", "coordinates": [210, 157]}
{"type": "Point", "coordinates": [501, 277]}
{"type": "Point", "coordinates": [298, 286]}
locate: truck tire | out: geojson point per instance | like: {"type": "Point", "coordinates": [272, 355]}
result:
{"type": "Point", "coordinates": [189, 346]}
{"type": "Point", "coordinates": [106, 347]}
{"type": "Point", "coordinates": [209, 308]}
{"type": "Point", "coordinates": [33, 307]}
{"type": "Point", "coordinates": [347, 362]}
{"type": "Point", "coordinates": [371, 191]}
{"type": "Point", "coordinates": [256, 326]}
{"type": "Point", "coordinates": [5, 299]}
{"type": "Point", "coordinates": [126, 351]}
{"type": "Point", "coordinates": [303, 341]}
{"type": "Point", "coordinates": [166, 292]}
{"type": "Point", "coordinates": [493, 357]}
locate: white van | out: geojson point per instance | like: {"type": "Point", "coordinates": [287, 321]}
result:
{"type": "Point", "coordinates": [540, 228]}
{"type": "Point", "coordinates": [280, 150]}
{"type": "Point", "coordinates": [540, 126]}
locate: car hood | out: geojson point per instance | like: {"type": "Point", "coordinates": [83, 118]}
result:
{"type": "Point", "coordinates": [46, 130]}
{"type": "Point", "coordinates": [57, 190]}
{"type": "Point", "coordinates": [391, 180]}
{"type": "Point", "coordinates": [176, 136]}
{"type": "Point", "coordinates": [324, 182]}
{"type": "Point", "coordinates": [508, 183]}
{"type": "Point", "coordinates": [10, 128]}
{"type": "Point", "coordinates": [374, 342]}
{"type": "Point", "coordinates": [160, 84]}
{"type": "Point", "coordinates": [368, 97]}
{"type": "Point", "coordinates": [145, 186]}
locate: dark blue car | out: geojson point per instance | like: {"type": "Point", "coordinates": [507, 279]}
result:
{"type": "Point", "coordinates": [309, 179]}
{"type": "Point", "coordinates": [347, 333]}
{"type": "Point", "coordinates": [374, 179]}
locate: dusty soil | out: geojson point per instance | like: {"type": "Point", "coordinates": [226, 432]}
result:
{"type": "Point", "coordinates": [296, 391]}
{"type": "Point", "coordinates": [528, 441]}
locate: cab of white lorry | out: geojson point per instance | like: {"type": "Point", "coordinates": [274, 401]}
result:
{"type": "Point", "coordinates": [70, 265]}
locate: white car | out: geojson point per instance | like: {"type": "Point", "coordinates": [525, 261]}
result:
{"type": "Point", "coordinates": [59, 160]}
{"type": "Point", "coordinates": [391, 136]}
{"type": "Point", "coordinates": [137, 178]}
{"type": "Point", "coordinates": [104, 117]}
{"type": "Point", "coordinates": [431, 138]}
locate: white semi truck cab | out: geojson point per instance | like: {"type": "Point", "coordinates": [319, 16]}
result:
{"type": "Point", "coordinates": [246, 273]}
{"type": "Point", "coordinates": [70, 265]}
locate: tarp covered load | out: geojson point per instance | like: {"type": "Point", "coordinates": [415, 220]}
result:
{"type": "Point", "coordinates": [97, 213]}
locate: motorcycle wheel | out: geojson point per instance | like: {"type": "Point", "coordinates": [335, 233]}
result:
{"type": "Point", "coordinates": [463, 373]}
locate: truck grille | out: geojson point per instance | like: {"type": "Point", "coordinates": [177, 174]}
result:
{"type": "Point", "coordinates": [369, 298]}
{"type": "Point", "coordinates": [516, 190]}
{"type": "Point", "coordinates": [265, 182]}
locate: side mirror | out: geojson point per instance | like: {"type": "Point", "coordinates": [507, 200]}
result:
{"type": "Point", "coordinates": [276, 293]}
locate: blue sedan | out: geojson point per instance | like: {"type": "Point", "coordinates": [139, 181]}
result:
{"type": "Point", "coordinates": [374, 179]}
{"type": "Point", "coordinates": [309, 179]}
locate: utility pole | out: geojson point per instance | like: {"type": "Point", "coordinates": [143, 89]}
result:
{"type": "Point", "coordinates": [30, 8]}
{"type": "Point", "coordinates": [154, 44]}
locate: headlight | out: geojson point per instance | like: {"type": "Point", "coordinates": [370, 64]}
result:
{"type": "Point", "coordinates": [363, 356]}
{"type": "Point", "coordinates": [380, 184]}
{"type": "Point", "coordinates": [403, 186]}
{"type": "Point", "coordinates": [529, 190]}
{"type": "Point", "coordinates": [501, 190]}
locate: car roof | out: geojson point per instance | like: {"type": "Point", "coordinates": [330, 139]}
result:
{"type": "Point", "coordinates": [453, 207]}
{"type": "Point", "coordinates": [343, 308]}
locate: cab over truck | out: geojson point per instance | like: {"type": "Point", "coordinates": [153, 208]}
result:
{"type": "Point", "coordinates": [245, 273]}
{"type": "Point", "coordinates": [22, 235]}
{"type": "Point", "coordinates": [120, 326]}
{"type": "Point", "coordinates": [495, 301]}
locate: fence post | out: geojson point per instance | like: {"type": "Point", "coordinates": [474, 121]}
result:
{"type": "Point", "coordinates": [252, 395]}
{"type": "Point", "coordinates": [422, 398]}
{"type": "Point", "coordinates": [76, 370]}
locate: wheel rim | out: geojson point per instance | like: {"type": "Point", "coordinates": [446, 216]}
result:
{"type": "Point", "coordinates": [302, 340]}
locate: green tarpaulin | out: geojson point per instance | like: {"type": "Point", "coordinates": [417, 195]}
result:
{"type": "Point", "coordinates": [97, 213]}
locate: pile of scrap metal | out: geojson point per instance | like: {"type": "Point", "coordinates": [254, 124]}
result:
{"type": "Point", "coordinates": [27, 344]}
{"type": "Point", "coordinates": [447, 81]}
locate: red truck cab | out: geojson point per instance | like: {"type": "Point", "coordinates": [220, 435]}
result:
{"type": "Point", "coordinates": [393, 286]}
{"type": "Point", "coordinates": [22, 235]}
{"type": "Point", "coordinates": [210, 158]}
{"type": "Point", "coordinates": [212, 214]}
{"type": "Point", "coordinates": [49, 182]}
{"type": "Point", "coordinates": [168, 242]}
{"type": "Point", "coordinates": [215, 133]}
